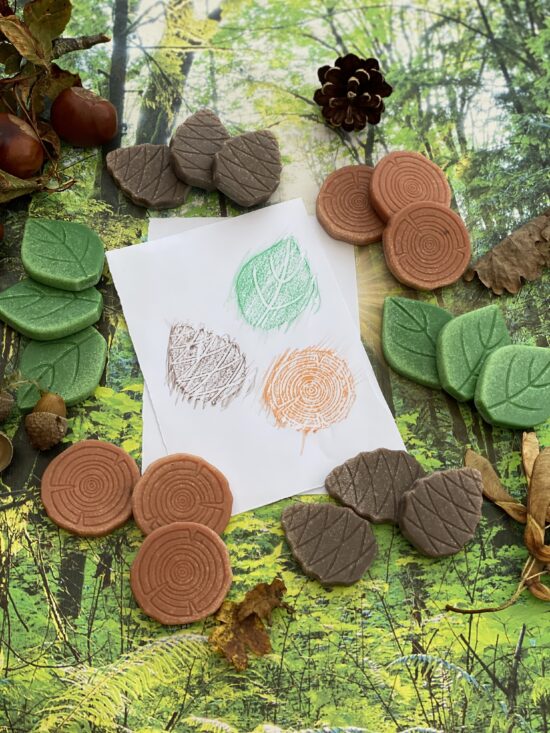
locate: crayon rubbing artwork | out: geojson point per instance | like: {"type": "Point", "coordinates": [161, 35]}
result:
{"type": "Point", "coordinates": [275, 286]}
{"type": "Point", "coordinates": [203, 367]}
{"type": "Point", "coordinates": [309, 389]}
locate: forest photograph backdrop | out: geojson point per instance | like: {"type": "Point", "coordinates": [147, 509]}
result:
{"type": "Point", "coordinates": [471, 85]}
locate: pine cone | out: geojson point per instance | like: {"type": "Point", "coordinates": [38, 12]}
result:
{"type": "Point", "coordinates": [352, 92]}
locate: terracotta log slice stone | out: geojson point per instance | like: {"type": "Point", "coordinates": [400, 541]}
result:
{"type": "Point", "coordinates": [404, 178]}
{"type": "Point", "coordinates": [344, 209]}
{"type": "Point", "coordinates": [426, 246]}
{"type": "Point", "coordinates": [181, 573]}
{"type": "Point", "coordinates": [182, 488]}
{"type": "Point", "coordinates": [193, 147]}
{"type": "Point", "coordinates": [88, 488]}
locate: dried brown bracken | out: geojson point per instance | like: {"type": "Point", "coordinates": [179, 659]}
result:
{"type": "Point", "coordinates": [522, 255]}
{"type": "Point", "coordinates": [536, 466]}
{"type": "Point", "coordinates": [352, 92]}
{"type": "Point", "coordinates": [241, 626]}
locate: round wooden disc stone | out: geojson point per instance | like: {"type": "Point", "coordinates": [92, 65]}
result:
{"type": "Point", "coordinates": [87, 489]}
{"type": "Point", "coordinates": [426, 246]}
{"type": "Point", "coordinates": [182, 488]}
{"type": "Point", "coordinates": [344, 209]}
{"type": "Point", "coordinates": [181, 573]}
{"type": "Point", "coordinates": [403, 178]}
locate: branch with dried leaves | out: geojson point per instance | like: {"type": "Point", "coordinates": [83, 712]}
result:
{"type": "Point", "coordinates": [536, 466]}
{"type": "Point", "coordinates": [30, 41]}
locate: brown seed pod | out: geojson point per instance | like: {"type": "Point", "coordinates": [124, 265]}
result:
{"type": "Point", "coordinates": [6, 451]}
{"type": "Point", "coordinates": [6, 405]}
{"type": "Point", "coordinates": [21, 152]}
{"type": "Point", "coordinates": [45, 429]}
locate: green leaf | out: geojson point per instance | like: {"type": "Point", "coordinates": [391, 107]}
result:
{"type": "Point", "coordinates": [47, 19]}
{"type": "Point", "coordinates": [274, 287]}
{"type": "Point", "coordinates": [28, 46]}
{"type": "Point", "coordinates": [409, 336]}
{"type": "Point", "coordinates": [463, 345]}
{"type": "Point", "coordinates": [71, 367]}
{"type": "Point", "coordinates": [62, 254]}
{"type": "Point", "coordinates": [45, 313]}
{"type": "Point", "coordinates": [513, 388]}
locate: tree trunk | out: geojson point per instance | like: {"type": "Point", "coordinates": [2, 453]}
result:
{"type": "Point", "coordinates": [71, 579]}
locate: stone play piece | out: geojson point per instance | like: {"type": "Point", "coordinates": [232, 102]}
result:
{"type": "Point", "coordinates": [248, 168]}
{"type": "Point", "coordinates": [70, 367]}
{"type": "Point", "coordinates": [182, 488]}
{"type": "Point", "coordinates": [145, 175]}
{"type": "Point", "coordinates": [402, 178]}
{"type": "Point", "coordinates": [373, 482]}
{"type": "Point", "coordinates": [513, 388]}
{"type": "Point", "coordinates": [193, 147]}
{"type": "Point", "coordinates": [331, 543]}
{"type": "Point", "coordinates": [440, 513]}
{"type": "Point", "coordinates": [87, 489]}
{"type": "Point", "coordinates": [344, 209]}
{"type": "Point", "coordinates": [62, 254]}
{"type": "Point", "coordinates": [44, 313]}
{"type": "Point", "coordinates": [464, 344]}
{"type": "Point", "coordinates": [409, 336]}
{"type": "Point", "coordinates": [181, 573]}
{"type": "Point", "coordinates": [426, 246]}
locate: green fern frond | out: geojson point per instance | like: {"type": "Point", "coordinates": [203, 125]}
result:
{"type": "Point", "coordinates": [541, 689]}
{"type": "Point", "coordinates": [98, 695]}
{"type": "Point", "coordinates": [428, 663]}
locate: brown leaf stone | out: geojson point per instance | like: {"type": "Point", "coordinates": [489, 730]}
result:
{"type": "Point", "coordinates": [143, 172]}
{"type": "Point", "coordinates": [523, 254]}
{"type": "Point", "coordinates": [440, 514]}
{"type": "Point", "coordinates": [332, 543]}
{"type": "Point", "coordinates": [373, 482]}
{"type": "Point", "coordinates": [248, 167]}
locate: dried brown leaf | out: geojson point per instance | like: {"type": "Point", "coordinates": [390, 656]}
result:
{"type": "Point", "coordinates": [26, 44]}
{"type": "Point", "coordinates": [493, 489]}
{"type": "Point", "coordinates": [11, 187]}
{"type": "Point", "coordinates": [530, 448]}
{"type": "Point", "coordinates": [241, 628]}
{"type": "Point", "coordinates": [531, 576]}
{"type": "Point", "coordinates": [10, 58]}
{"type": "Point", "coordinates": [523, 254]}
{"type": "Point", "coordinates": [47, 19]}
{"type": "Point", "coordinates": [538, 503]}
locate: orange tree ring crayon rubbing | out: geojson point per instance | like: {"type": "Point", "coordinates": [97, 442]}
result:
{"type": "Point", "coordinates": [309, 389]}
{"type": "Point", "coordinates": [182, 488]}
{"type": "Point", "coordinates": [181, 573]}
{"type": "Point", "coordinates": [87, 489]}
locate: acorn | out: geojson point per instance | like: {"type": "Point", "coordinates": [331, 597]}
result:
{"type": "Point", "coordinates": [47, 424]}
{"type": "Point", "coordinates": [6, 405]}
{"type": "Point", "coordinates": [6, 451]}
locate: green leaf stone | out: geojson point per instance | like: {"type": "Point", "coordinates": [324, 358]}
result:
{"type": "Point", "coordinates": [409, 336]}
{"type": "Point", "coordinates": [513, 389]}
{"type": "Point", "coordinates": [275, 286]}
{"type": "Point", "coordinates": [463, 345]}
{"type": "Point", "coordinates": [43, 313]}
{"type": "Point", "coordinates": [62, 254]}
{"type": "Point", "coordinates": [71, 367]}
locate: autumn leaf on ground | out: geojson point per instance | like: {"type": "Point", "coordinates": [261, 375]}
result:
{"type": "Point", "coordinates": [241, 628]}
{"type": "Point", "coordinates": [523, 254]}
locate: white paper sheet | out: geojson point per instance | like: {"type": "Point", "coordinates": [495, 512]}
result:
{"type": "Point", "coordinates": [189, 279]}
{"type": "Point", "coordinates": [342, 260]}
